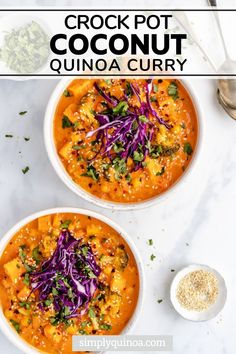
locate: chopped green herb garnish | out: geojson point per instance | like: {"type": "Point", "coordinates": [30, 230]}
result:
{"type": "Point", "coordinates": [188, 149]}
{"type": "Point", "coordinates": [173, 90]}
{"type": "Point", "coordinates": [138, 156]}
{"type": "Point", "coordinates": [48, 302]}
{"type": "Point", "coordinates": [54, 291]}
{"type": "Point", "coordinates": [16, 325]}
{"type": "Point", "coordinates": [22, 253]}
{"type": "Point", "coordinates": [183, 125]}
{"type": "Point", "coordinates": [152, 257]}
{"type": "Point", "coordinates": [91, 313]}
{"type": "Point", "coordinates": [108, 82]}
{"type": "Point", "coordinates": [85, 324]}
{"type": "Point", "coordinates": [91, 172]}
{"type": "Point", "coordinates": [67, 93]}
{"type": "Point", "coordinates": [119, 166]}
{"type": "Point", "coordinates": [128, 177]}
{"type": "Point", "coordinates": [143, 119]}
{"type": "Point", "coordinates": [105, 326]}
{"type": "Point", "coordinates": [159, 301]}
{"type": "Point", "coordinates": [22, 113]}
{"type": "Point", "coordinates": [150, 242]}
{"type": "Point", "coordinates": [8, 136]}
{"type": "Point", "coordinates": [85, 250]}
{"type": "Point", "coordinates": [155, 88]}
{"type": "Point", "coordinates": [153, 99]}
{"type": "Point", "coordinates": [26, 279]}
{"type": "Point", "coordinates": [65, 224]}
{"type": "Point", "coordinates": [36, 255]}
{"type": "Point", "coordinates": [78, 147]}
{"type": "Point", "coordinates": [25, 170]}
{"type": "Point", "coordinates": [25, 304]}
{"type": "Point", "coordinates": [160, 173]}
{"type": "Point", "coordinates": [121, 108]}
{"type": "Point", "coordinates": [26, 139]}
{"type": "Point", "coordinates": [128, 90]}
{"type": "Point", "coordinates": [66, 123]}
{"type": "Point", "coordinates": [118, 147]}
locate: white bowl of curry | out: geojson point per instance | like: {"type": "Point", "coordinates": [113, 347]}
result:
{"type": "Point", "coordinates": [65, 272]}
{"type": "Point", "coordinates": [122, 143]}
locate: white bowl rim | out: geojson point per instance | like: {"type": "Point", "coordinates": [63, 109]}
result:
{"type": "Point", "coordinates": [66, 178]}
{"type": "Point", "coordinates": [193, 315]}
{"type": "Point", "coordinates": [6, 328]}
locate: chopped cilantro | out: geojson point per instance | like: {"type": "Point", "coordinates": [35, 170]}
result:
{"type": "Point", "coordinates": [54, 291]}
{"type": "Point", "coordinates": [128, 177]}
{"type": "Point", "coordinates": [66, 123]}
{"type": "Point", "coordinates": [8, 136]}
{"type": "Point", "coordinates": [188, 149]}
{"type": "Point", "coordinates": [65, 224]}
{"type": "Point", "coordinates": [155, 88]}
{"type": "Point", "coordinates": [26, 139]}
{"type": "Point", "coordinates": [78, 147]}
{"type": "Point", "coordinates": [119, 166]}
{"type": "Point", "coordinates": [91, 172]}
{"type": "Point", "coordinates": [22, 113]}
{"type": "Point", "coordinates": [36, 255]}
{"type": "Point", "coordinates": [153, 99]}
{"type": "Point", "coordinates": [84, 250]}
{"type": "Point", "coordinates": [138, 156]}
{"type": "Point", "coordinates": [26, 279]}
{"type": "Point", "coordinates": [121, 108]}
{"type": "Point", "coordinates": [159, 301]}
{"type": "Point", "coordinates": [143, 119]}
{"type": "Point", "coordinates": [152, 257]}
{"type": "Point", "coordinates": [160, 173]}
{"type": "Point", "coordinates": [48, 302]}
{"type": "Point", "coordinates": [128, 90]}
{"type": "Point", "coordinates": [150, 242]}
{"type": "Point", "coordinates": [91, 313]}
{"type": "Point", "coordinates": [118, 147]}
{"type": "Point", "coordinates": [67, 93]}
{"type": "Point", "coordinates": [25, 304]}
{"type": "Point", "coordinates": [25, 170]}
{"type": "Point", "coordinates": [105, 326]}
{"type": "Point", "coordinates": [172, 90]}
{"type": "Point", "coordinates": [16, 325]}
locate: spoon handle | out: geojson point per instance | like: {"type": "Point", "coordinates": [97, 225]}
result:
{"type": "Point", "coordinates": [213, 3]}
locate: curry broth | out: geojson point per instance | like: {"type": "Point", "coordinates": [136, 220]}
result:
{"type": "Point", "coordinates": [112, 312]}
{"type": "Point", "coordinates": [156, 174]}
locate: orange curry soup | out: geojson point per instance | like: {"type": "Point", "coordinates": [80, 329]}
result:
{"type": "Point", "coordinates": [37, 283]}
{"type": "Point", "coordinates": [125, 140]}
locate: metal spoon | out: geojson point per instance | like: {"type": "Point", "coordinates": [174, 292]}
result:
{"type": "Point", "coordinates": [226, 87]}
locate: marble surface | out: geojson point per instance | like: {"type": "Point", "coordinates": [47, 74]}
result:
{"type": "Point", "coordinates": [194, 225]}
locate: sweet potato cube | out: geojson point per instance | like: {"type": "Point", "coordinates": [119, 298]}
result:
{"type": "Point", "coordinates": [66, 150]}
{"type": "Point", "coordinates": [71, 112]}
{"type": "Point", "coordinates": [80, 89]}
{"type": "Point", "coordinates": [118, 283]}
{"type": "Point", "coordinates": [44, 223]}
{"type": "Point", "coordinates": [24, 293]}
{"type": "Point", "coordinates": [53, 333]}
{"type": "Point", "coordinates": [93, 229]}
{"type": "Point", "coordinates": [56, 221]}
{"type": "Point", "coordinates": [14, 269]}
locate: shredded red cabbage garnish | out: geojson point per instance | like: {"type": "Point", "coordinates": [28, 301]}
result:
{"type": "Point", "coordinates": [127, 131]}
{"type": "Point", "coordinates": [68, 280]}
